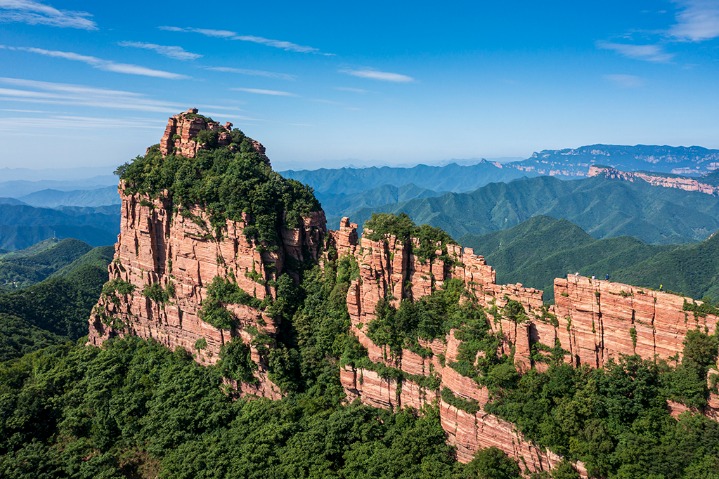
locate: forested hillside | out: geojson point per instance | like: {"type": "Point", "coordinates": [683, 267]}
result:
{"type": "Point", "coordinates": [54, 310]}
{"type": "Point", "coordinates": [603, 208]}
{"type": "Point", "coordinates": [23, 225]}
{"type": "Point", "coordinates": [542, 248]}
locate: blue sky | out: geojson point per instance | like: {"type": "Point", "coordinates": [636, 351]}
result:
{"type": "Point", "coordinates": [332, 83]}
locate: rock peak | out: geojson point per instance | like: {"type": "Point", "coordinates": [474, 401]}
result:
{"type": "Point", "coordinates": [183, 135]}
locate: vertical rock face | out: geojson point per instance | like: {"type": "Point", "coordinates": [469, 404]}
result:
{"type": "Point", "coordinates": [664, 181]}
{"type": "Point", "coordinates": [177, 251]}
{"type": "Point", "coordinates": [389, 269]}
{"type": "Point", "coordinates": [181, 134]}
{"type": "Point", "coordinates": [594, 321]}
{"type": "Point", "coordinates": [167, 255]}
{"type": "Point", "coordinates": [600, 320]}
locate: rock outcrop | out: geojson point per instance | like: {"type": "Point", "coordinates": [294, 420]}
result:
{"type": "Point", "coordinates": [167, 255]}
{"type": "Point", "coordinates": [654, 179]}
{"type": "Point", "coordinates": [176, 251]}
{"type": "Point", "coordinates": [594, 321]}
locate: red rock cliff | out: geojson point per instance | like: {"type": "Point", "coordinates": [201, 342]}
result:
{"type": "Point", "coordinates": [593, 320]}
{"type": "Point", "coordinates": [680, 182]}
{"type": "Point", "coordinates": [159, 245]}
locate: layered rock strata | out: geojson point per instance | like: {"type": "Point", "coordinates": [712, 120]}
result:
{"type": "Point", "coordinates": [176, 252]}
{"type": "Point", "coordinates": [594, 321]}
{"type": "Point", "coordinates": [680, 182]}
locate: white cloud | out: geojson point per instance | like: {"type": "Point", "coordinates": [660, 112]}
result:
{"type": "Point", "coordinates": [39, 92]}
{"type": "Point", "coordinates": [650, 53]}
{"type": "Point", "coordinates": [284, 45]}
{"type": "Point", "coordinates": [378, 75]}
{"type": "Point", "coordinates": [624, 80]}
{"type": "Point", "coordinates": [697, 20]}
{"type": "Point", "coordinates": [36, 13]}
{"type": "Point", "coordinates": [255, 73]}
{"type": "Point", "coordinates": [178, 53]}
{"type": "Point", "coordinates": [351, 90]}
{"type": "Point", "coordinates": [281, 44]}
{"type": "Point", "coordinates": [99, 63]}
{"type": "Point", "coordinates": [70, 122]}
{"type": "Point", "coordinates": [261, 91]}
{"type": "Point", "coordinates": [203, 31]}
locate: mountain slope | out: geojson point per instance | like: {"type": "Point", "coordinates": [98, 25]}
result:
{"type": "Point", "coordinates": [337, 205]}
{"type": "Point", "coordinates": [542, 248]}
{"type": "Point", "coordinates": [32, 265]}
{"type": "Point", "coordinates": [22, 225]}
{"type": "Point", "coordinates": [54, 198]}
{"type": "Point", "coordinates": [54, 310]}
{"type": "Point", "coordinates": [603, 208]}
{"type": "Point", "coordinates": [452, 177]}
{"type": "Point", "coordinates": [691, 269]}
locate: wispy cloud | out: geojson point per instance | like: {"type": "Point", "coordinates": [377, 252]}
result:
{"type": "Point", "coordinates": [203, 31]}
{"type": "Point", "coordinates": [624, 81]}
{"type": "Point", "coordinates": [351, 90]}
{"type": "Point", "coordinates": [230, 35]}
{"type": "Point", "coordinates": [99, 63]}
{"type": "Point", "coordinates": [379, 75]}
{"type": "Point", "coordinates": [71, 122]}
{"type": "Point", "coordinates": [650, 53]}
{"type": "Point", "coordinates": [697, 20]}
{"type": "Point", "coordinates": [36, 13]}
{"type": "Point", "coordinates": [254, 73]}
{"type": "Point", "coordinates": [22, 90]}
{"type": "Point", "coordinates": [262, 91]}
{"type": "Point", "coordinates": [281, 44]}
{"type": "Point", "coordinates": [178, 53]}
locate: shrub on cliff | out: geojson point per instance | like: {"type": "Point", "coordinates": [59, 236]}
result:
{"type": "Point", "coordinates": [229, 182]}
{"type": "Point", "coordinates": [403, 228]}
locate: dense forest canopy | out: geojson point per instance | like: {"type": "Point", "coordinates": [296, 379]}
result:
{"type": "Point", "coordinates": [227, 181]}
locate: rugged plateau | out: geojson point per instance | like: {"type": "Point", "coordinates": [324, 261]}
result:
{"type": "Point", "coordinates": [169, 254]}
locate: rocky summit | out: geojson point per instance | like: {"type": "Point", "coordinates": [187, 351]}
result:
{"type": "Point", "coordinates": [198, 272]}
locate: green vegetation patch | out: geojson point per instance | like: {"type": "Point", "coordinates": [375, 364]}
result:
{"type": "Point", "coordinates": [403, 228]}
{"type": "Point", "coordinates": [228, 182]}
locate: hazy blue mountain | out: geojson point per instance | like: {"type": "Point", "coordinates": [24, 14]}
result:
{"type": "Point", "coordinates": [18, 188]}
{"type": "Point", "coordinates": [604, 208]}
{"type": "Point", "coordinates": [53, 198]}
{"type": "Point", "coordinates": [23, 225]}
{"type": "Point", "coordinates": [574, 162]}
{"type": "Point", "coordinates": [10, 201]}
{"type": "Point", "coordinates": [338, 205]}
{"type": "Point", "coordinates": [452, 177]}
{"type": "Point", "coordinates": [36, 174]}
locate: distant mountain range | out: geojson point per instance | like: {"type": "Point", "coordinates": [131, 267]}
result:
{"type": "Point", "coordinates": [604, 208]}
{"type": "Point", "coordinates": [23, 225]}
{"type": "Point", "coordinates": [19, 188]}
{"type": "Point", "coordinates": [543, 248]}
{"type": "Point", "coordinates": [56, 198]}
{"type": "Point", "coordinates": [575, 162]}
{"type": "Point", "coordinates": [452, 177]}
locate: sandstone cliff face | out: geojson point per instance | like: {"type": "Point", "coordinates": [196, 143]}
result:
{"type": "Point", "coordinates": [177, 250]}
{"type": "Point", "coordinates": [166, 245]}
{"type": "Point", "coordinates": [181, 133]}
{"type": "Point", "coordinates": [682, 183]}
{"type": "Point", "coordinates": [389, 268]}
{"type": "Point", "coordinates": [594, 321]}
